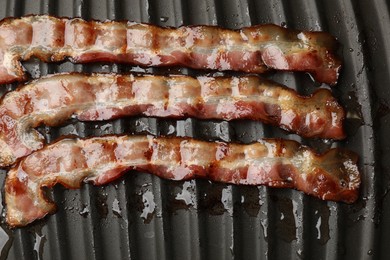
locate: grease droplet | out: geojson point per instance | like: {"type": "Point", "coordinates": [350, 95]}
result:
{"type": "Point", "coordinates": [227, 200]}
{"type": "Point", "coordinates": [318, 225]}
{"type": "Point", "coordinates": [187, 194]}
{"type": "Point", "coordinates": [38, 245]}
{"type": "Point", "coordinates": [164, 19]}
{"type": "Point", "coordinates": [116, 209]}
{"type": "Point", "coordinates": [171, 130]}
{"type": "Point", "coordinates": [149, 206]}
{"type": "Point", "coordinates": [84, 211]}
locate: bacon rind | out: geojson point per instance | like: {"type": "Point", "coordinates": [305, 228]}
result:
{"type": "Point", "coordinates": [100, 160]}
{"type": "Point", "coordinates": [54, 99]}
{"type": "Point", "coordinates": [253, 49]}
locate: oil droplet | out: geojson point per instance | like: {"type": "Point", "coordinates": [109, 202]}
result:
{"type": "Point", "coordinates": [261, 197]}
{"type": "Point", "coordinates": [106, 68]}
{"type": "Point", "coordinates": [264, 226]}
{"type": "Point", "coordinates": [318, 227]}
{"type": "Point", "coordinates": [286, 226]}
{"type": "Point", "coordinates": [84, 211]}
{"type": "Point", "coordinates": [299, 253]}
{"type": "Point", "coordinates": [187, 194]}
{"type": "Point", "coordinates": [164, 19]}
{"type": "Point", "coordinates": [370, 252]}
{"type": "Point", "coordinates": [222, 131]}
{"type": "Point", "coordinates": [106, 128]}
{"type": "Point", "coordinates": [350, 50]}
{"type": "Point", "coordinates": [227, 200]}
{"type": "Point", "coordinates": [149, 206]}
{"type": "Point", "coordinates": [232, 245]}
{"type": "Point", "coordinates": [142, 125]}
{"type": "Point", "coordinates": [38, 245]}
{"type": "Point", "coordinates": [138, 69]}
{"type": "Point", "coordinates": [116, 209]}
{"type": "Point", "coordinates": [322, 225]}
{"type": "Point", "coordinates": [171, 130]}
{"type": "Point", "coordinates": [283, 24]}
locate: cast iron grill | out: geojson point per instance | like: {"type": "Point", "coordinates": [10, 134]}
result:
{"type": "Point", "coordinates": [143, 217]}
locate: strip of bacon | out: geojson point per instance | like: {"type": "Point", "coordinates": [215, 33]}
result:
{"type": "Point", "coordinates": [252, 49]}
{"type": "Point", "coordinates": [275, 163]}
{"type": "Point", "coordinates": [54, 99]}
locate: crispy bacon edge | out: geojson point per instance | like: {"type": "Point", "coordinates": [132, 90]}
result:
{"type": "Point", "coordinates": [252, 49]}
{"type": "Point", "coordinates": [333, 175]}
{"type": "Point", "coordinates": [55, 99]}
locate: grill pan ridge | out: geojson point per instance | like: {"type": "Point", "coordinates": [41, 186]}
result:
{"type": "Point", "coordinates": [143, 217]}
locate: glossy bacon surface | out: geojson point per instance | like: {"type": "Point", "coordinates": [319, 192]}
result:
{"type": "Point", "coordinates": [252, 49]}
{"type": "Point", "coordinates": [276, 163]}
{"type": "Point", "coordinates": [54, 99]}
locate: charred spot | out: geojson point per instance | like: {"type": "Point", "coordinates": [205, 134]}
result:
{"type": "Point", "coordinates": [273, 111]}
{"type": "Point", "coordinates": [216, 173]}
{"type": "Point", "coordinates": [200, 108]}
{"type": "Point", "coordinates": [287, 172]}
{"type": "Point", "coordinates": [148, 154]}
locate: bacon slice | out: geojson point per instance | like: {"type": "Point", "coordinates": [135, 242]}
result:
{"type": "Point", "coordinates": [57, 98]}
{"type": "Point", "coordinates": [253, 49]}
{"type": "Point", "coordinates": [275, 163]}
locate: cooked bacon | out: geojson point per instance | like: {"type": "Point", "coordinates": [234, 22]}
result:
{"type": "Point", "coordinates": [252, 49]}
{"type": "Point", "coordinates": [275, 163]}
{"type": "Point", "coordinates": [54, 99]}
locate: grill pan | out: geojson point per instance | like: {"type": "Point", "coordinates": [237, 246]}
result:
{"type": "Point", "coordinates": [143, 217]}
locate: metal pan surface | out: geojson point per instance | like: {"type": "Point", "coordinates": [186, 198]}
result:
{"type": "Point", "coordinates": [143, 217]}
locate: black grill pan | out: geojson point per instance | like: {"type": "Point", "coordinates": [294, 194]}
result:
{"type": "Point", "coordinates": [143, 217]}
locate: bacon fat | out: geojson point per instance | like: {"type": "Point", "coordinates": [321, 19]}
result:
{"type": "Point", "coordinates": [253, 49]}
{"type": "Point", "coordinates": [100, 160]}
{"type": "Point", "coordinates": [54, 99]}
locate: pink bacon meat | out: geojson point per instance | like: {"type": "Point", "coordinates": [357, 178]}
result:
{"type": "Point", "coordinates": [54, 99]}
{"type": "Point", "coordinates": [275, 163]}
{"type": "Point", "coordinates": [253, 49]}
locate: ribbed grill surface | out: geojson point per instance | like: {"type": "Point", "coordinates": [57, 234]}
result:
{"type": "Point", "coordinates": [144, 217]}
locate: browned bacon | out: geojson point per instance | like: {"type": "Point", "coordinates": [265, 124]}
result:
{"type": "Point", "coordinates": [54, 99]}
{"type": "Point", "coordinates": [275, 163]}
{"type": "Point", "coordinates": [252, 49]}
